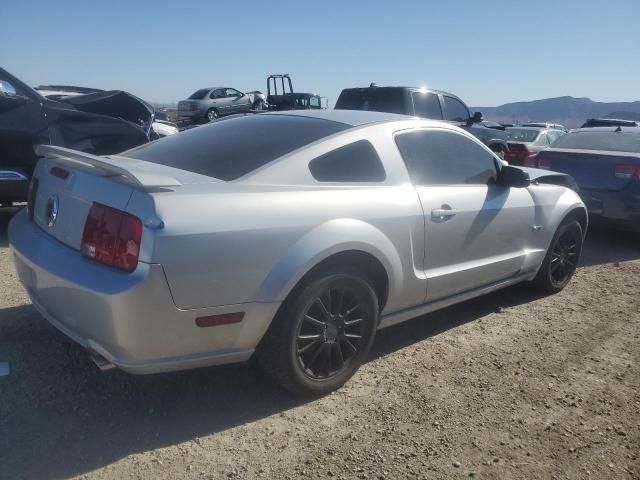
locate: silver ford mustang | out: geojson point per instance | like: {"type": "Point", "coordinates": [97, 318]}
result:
{"type": "Point", "coordinates": [291, 236]}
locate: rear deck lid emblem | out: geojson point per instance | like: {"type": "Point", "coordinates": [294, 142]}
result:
{"type": "Point", "coordinates": [51, 212]}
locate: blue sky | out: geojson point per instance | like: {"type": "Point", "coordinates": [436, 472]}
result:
{"type": "Point", "coordinates": [487, 52]}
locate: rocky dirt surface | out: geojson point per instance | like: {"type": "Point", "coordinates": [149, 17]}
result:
{"type": "Point", "coordinates": [512, 385]}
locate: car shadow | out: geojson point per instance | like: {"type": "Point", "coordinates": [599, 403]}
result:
{"type": "Point", "coordinates": [60, 416]}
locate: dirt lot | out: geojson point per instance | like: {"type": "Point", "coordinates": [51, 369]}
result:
{"type": "Point", "coordinates": [512, 385]}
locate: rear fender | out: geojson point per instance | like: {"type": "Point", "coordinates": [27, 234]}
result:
{"type": "Point", "coordinates": [330, 238]}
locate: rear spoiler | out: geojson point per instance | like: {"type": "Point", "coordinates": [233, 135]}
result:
{"type": "Point", "coordinates": [132, 171]}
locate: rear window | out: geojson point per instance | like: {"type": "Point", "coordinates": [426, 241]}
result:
{"type": "Point", "coordinates": [389, 100]}
{"type": "Point", "coordinates": [199, 95]}
{"type": "Point", "coordinates": [521, 134]}
{"type": "Point", "coordinates": [231, 148]}
{"type": "Point", "coordinates": [594, 140]}
{"type": "Point", "coordinates": [356, 162]}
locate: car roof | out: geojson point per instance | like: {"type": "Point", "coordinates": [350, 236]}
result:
{"type": "Point", "coordinates": [354, 118]}
{"type": "Point", "coordinates": [400, 87]}
{"type": "Point", "coordinates": [539, 129]}
{"type": "Point", "coordinates": [622, 129]}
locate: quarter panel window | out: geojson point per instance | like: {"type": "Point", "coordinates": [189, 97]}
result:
{"type": "Point", "coordinates": [427, 105]}
{"type": "Point", "coordinates": [356, 162]}
{"type": "Point", "coordinates": [437, 157]}
{"type": "Point", "coordinates": [456, 110]}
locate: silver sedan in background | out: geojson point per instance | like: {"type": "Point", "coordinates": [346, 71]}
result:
{"type": "Point", "coordinates": [291, 236]}
{"type": "Point", "coordinates": [208, 104]}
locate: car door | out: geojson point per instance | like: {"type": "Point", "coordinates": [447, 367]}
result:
{"type": "Point", "coordinates": [238, 101]}
{"type": "Point", "coordinates": [476, 232]}
{"type": "Point", "coordinates": [218, 100]}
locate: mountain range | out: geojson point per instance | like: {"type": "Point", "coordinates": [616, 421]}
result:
{"type": "Point", "coordinates": [568, 111]}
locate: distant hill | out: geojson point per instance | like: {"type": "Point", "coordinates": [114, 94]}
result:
{"type": "Point", "coordinates": [568, 111]}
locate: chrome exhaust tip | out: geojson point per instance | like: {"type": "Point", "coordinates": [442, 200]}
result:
{"type": "Point", "coordinates": [102, 363]}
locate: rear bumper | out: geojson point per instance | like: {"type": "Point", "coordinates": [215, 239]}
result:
{"type": "Point", "coordinates": [621, 206]}
{"type": "Point", "coordinates": [128, 318]}
{"type": "Point", "coordinates": [189, 114]}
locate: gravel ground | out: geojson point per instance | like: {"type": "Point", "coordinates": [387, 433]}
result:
{"type": "Point", "coordinates": [511, 385]}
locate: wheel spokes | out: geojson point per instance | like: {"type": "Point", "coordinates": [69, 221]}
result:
{"type": "Point", "coordinates": [314, 321]}
{"type": "Point", "coordinates": [349, 323]}
{"type": "Point", "coordinates": [323, 308]}
{"type": "Point", "coordinates": [328, 339]}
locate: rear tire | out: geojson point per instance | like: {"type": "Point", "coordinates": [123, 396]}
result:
{"type": "Point", "coordinates": [322, 333]}
{"type": "Point", "coordinates": [562, 257]}
{"type": "Point", "coordinates": [212, 114]}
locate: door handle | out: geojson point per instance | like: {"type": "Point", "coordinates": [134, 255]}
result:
{"type": "Point", "coordinates": [442, 214]}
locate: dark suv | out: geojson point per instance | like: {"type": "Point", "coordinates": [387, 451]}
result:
{"type": "Point", "coordinates": [426, 103]}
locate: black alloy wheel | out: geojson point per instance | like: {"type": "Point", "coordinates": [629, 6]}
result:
{"type": "Point", "coordinates": [322, 333]}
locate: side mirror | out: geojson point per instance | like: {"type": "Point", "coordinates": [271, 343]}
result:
{"type": "Point", "coordinates": [510, 176]}
{"type": "Point", "coordinates": [476, 118]}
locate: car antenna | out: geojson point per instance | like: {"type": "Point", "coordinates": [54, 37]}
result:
{"type": "Point", "coordinates": [373, 85]}
{"type": "Point", "coordinates": [619, 129]}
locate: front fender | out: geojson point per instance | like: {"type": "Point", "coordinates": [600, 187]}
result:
{"type": "Point", "coordinates": [325, 240]}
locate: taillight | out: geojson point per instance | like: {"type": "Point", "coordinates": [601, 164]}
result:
{"type": "Point", "coordinates": [112, 237]}
{"type": "Point", "coordinates": [627, 171]}
{"type": "Point", "coordinates": [31, 196]}
{"type": "Point", "coordinates": [59, 172]}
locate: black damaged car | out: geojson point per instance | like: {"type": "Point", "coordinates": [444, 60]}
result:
{"type": "Point", "coordinates": [101, 123]}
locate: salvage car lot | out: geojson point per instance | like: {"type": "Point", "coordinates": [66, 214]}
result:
{"type": "Point", "coordinates": [511, 384]}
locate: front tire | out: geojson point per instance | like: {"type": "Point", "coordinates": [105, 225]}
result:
{"type": "Point", "coordinates": [562, 257]}
{"type": "Point", "coordinates": [322, 334]}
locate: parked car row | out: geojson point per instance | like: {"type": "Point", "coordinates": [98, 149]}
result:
{"type": "Point", "coordinates": [605, 163]}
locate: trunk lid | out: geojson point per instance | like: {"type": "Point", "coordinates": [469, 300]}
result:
{"type": "Point", "coordinates": [591, 169]}
{"type": "Point", "coordinates": [185, 105]}
{"type": "Point", "coordinates": [69, 182]}
{"type": "Point", "coordinates": [61, 205]}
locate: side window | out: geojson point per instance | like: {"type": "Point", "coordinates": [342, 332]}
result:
{"type": "Point", "coordinates": [232, 92]}
{"type": "Point", "coordinates": [552, 136]}
{"type": "Point", "coordinates": [438, 157]}
{"type": "Point", "coordinates": [314, 102]}
{"type": "Point", "coordinates": [217, 93]}
{"type": "Point", "coordinates": [356, 162]}
{"type": "Point", "coordinates": [456, 110]}
{"type": "Point", "coordinates": [427, 105]}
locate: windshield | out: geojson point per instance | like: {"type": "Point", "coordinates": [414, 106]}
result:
{"type": "Point", "coordinates": [601, 140]}
{"type": "Point", "coordinates": [232, 148]}
{"type": "Point", "coordinates": [522, 134]}
{"type": "Point", "coordinates": [199, 95]}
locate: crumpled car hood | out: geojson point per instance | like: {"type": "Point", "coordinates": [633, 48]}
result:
{"type": "Point", "coordinates": [115, 103]}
